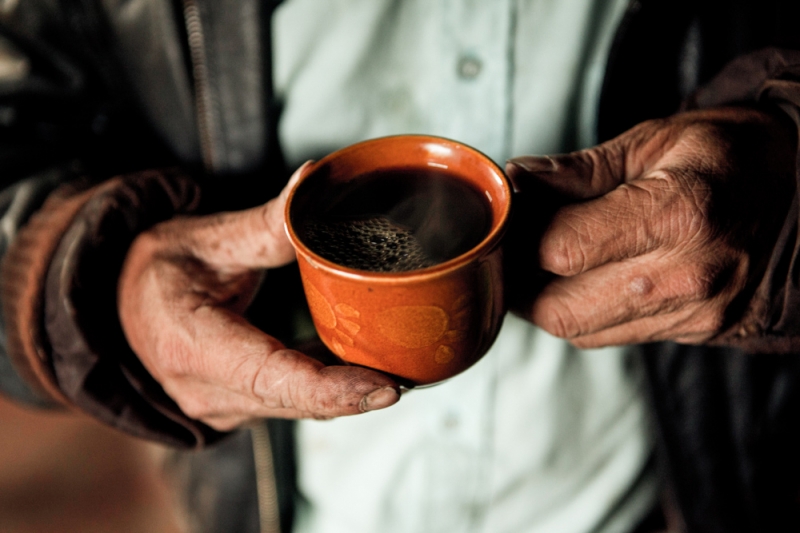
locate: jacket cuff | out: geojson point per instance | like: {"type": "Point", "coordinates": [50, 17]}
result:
{"type": "Point", "coordinates": [93, 365]}
{"type": "Point", "coordinates": [770, 321]}
{"type": "Point", "coordinates": [23, 269]}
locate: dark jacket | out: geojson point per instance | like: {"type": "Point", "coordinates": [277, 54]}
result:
{"type": "Point", "coordinates": [118, 88]}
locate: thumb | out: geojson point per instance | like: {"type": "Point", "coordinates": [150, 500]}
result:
{"type": "Point", "coordinates": [250, 239]}
{"type": "Point", "coordinates": [593, 172]}
{"type": "Point", "coordinates": [577, 176]}
{"type": "Point", "coordinates": [543, 185]}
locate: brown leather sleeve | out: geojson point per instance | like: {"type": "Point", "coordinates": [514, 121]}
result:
{"type": "Point", "coordinates": [93, 365]}
{"type": "Point", "coordinates": [23, 269]}
{"type": "Point", "coordinates": [59, 283]}
{"type": "Point", "coordinates": [771, 320]}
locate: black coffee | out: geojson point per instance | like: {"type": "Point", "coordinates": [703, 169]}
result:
{"type": "Point", "coordinates": [397, 221]}
{"type": "Point", "coordinates": [375, 244]}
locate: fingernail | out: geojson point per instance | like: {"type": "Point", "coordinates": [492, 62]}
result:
{"type": "Point", "coordinates": [378, 399]}
{"type": "Point", "coordinates": [535, 164]}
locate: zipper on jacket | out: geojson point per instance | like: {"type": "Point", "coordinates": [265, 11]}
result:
{"type": "Point", "coordinates": [269, 515]}
{"type": "Point", "coordinates": [202, 90]}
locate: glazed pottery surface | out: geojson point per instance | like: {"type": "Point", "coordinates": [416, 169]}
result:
{"type": "Point", "coordinates": [422, 326]}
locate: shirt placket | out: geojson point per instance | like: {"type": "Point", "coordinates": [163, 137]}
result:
{"type": "Point", "coordinates": [474, 94]}
{"type": "Point", "coordinates": [474, 107]}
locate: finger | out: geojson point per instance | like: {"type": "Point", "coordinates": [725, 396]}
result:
{"type": "Point", "coordinates": [622, 293]}
{"type": "Point", "coordinates": [278, 382]}
{"type": "Point", "coordinates": [224, 409]}
{"type": "Point", "coordinates": [632, 220]}
{"type": "Point", "coordinates": [694, 324]}
{"type": "Point", "coordinates": [578, 176]}
{"type": "Point", "coordinates": [219, 408]}
{"type": "Point", "coordinates": [595, 171]}
{"type": "Point", "coordinates": [249, 239]}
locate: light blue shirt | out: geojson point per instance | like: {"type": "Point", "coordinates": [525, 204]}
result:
{"type": "Point", "coordinates": [538, 436]}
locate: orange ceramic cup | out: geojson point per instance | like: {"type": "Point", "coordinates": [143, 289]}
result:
{"type": "Point", "coordinates": [422, 326]}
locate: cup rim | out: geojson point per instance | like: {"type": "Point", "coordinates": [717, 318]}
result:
{"type": "Point", "coordinates": [484, 247]}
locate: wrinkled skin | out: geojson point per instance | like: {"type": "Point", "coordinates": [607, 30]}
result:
{"type": "Point", "coordinates": [184, 287]}
{"type": "Point", "coordinates": [659, 234]}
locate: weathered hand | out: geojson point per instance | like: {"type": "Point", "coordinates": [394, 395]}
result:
{"type": "Point", "coordinates": [666, 229]}
{"type": "Point", "coordinates": [182, 291]}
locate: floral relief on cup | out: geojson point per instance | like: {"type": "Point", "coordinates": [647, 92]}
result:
{"type": "Point", "coordinates": [341, 318]}
{"type": "Point", "coordinates": [420, 326]}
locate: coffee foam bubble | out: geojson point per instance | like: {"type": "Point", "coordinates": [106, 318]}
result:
{"type": "Point", "coordinates": [374, 244]}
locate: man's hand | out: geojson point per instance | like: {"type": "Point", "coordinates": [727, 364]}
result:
{"type": "Point", "coordinates": [182, 292]}
{"type": "Point", "coordinates": [666, 231]}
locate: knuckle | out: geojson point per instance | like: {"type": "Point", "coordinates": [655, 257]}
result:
{"type": "Point", "coordinates": [645, 129]}
{"type": "Point", "coordinates": [637, 218]}
{"type": "Point", "coordinates": [681, 203]}
{"type": "Point", "coordinates": [171, 360]}
{"type": "Point", "coordinates": [268, 390]}
{"type": "Point", "coordinates": [557, 320]}
{"type": "Point", "coordinates": [655, 124]}
{"type": "Point", "coordinates": [261, 384]}
{"type": "Point", "coordinates": [272, 247]}
{"type": "Point", "coordinates": [556, 260]}
{"type": "Point", "coordinates": [271, 221]}
{"type": "Point", "coordinates": [696, 227]}
{"type": "Point", "coordinates": [604, 160]}
{"type": "Point", "coordinates": [710, 323]}
{"type": "Point", "coordinates": [296, 386]}
{"type": "Point", "coordinates": [266, 215]}
{"type": "Point", "coordinates": [697, 284]}
{"type": "Point", "coordinates": [715, 323]}
{"type": "Point", "coordinates": [708, 140]}
{"type": "Point", "coordinates": [693, 215]}
{"type": "Point", "coordinates": [562, 248]}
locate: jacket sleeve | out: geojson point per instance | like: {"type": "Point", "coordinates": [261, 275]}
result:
{"type": "Point", "coordinates": [68, 121]}
{"type": "Point", "coordinates": [770, 322]}
{"type": "Point", "coordinates": [58, 288]}
{"type": "Point", "coordinates": [16, 205]}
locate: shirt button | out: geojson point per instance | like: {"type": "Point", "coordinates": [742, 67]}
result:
{"type": "Point", "coordinates": [469, 67]}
